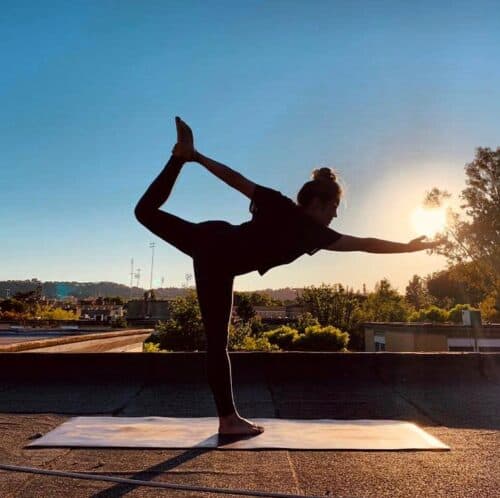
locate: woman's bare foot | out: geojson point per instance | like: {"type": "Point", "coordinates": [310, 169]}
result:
{"type": "Point", "coordinates": [184, 133]}
{"type": "Point", "coordinates": [235, 424]}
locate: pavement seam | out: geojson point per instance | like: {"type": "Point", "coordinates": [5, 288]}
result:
{"type": "Point", "coordinates": [117, 411]}
{"type": "Point", "coordinates": [273, 398]}
{"type": "Point", "coordinates": [277, 415]}
{"type": "Point", "coordinates": [294, 474]}
{"type": "Point", "coordinates": [47, 466]}
{"type": "Point", "coordinates": [417, 407]}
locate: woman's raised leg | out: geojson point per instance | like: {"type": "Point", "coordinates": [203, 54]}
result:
{"type": "Point", "coordinates": [180, 233]}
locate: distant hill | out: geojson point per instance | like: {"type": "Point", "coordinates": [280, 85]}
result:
{"type": "Point", "coordinates": [60, 290]}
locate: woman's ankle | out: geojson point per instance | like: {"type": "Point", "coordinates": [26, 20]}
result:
{"type": "Point", "coordinates": [229, 416]}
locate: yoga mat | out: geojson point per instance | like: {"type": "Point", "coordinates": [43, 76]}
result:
{"type": "Point", "coordinates": [201, 432]}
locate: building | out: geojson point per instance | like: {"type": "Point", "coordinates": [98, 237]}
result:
{"type": "Point", "coordinates": [414, 337]}
{"type": "Point", "coordinates": [102, 312]}
{"type": "Point", "coordinates": [270, 311]}
{"type": "Point", "coordinates": [141, 309]}
{"type": "Point", "coordinates": [289, 311]}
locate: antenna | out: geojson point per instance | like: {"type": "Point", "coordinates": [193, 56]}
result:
{"type": "Point", "coordinates": [131, 276]}
{"type": "Point", "coordinates": [152, 246]}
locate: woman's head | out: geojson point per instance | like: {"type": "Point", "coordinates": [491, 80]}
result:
{"type": "Point", "coordinates": [321, 196]}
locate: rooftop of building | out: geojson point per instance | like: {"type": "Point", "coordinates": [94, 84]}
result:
{"type": "Point", "coordinates": [453, 396]}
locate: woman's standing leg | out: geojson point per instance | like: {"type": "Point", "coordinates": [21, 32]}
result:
{"type": "Point", "coordinates": [215, 296]}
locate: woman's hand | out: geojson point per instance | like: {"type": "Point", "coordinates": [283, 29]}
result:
{"type": "Point", "coordinates": [184, 151]}
{"type": "Point", "coordinates": [418, 245]}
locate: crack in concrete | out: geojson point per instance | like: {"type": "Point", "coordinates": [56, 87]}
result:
{"type": "Point", "coordinates": [294, 474]}
{"type": "Point", "coordinates": [117, 411]}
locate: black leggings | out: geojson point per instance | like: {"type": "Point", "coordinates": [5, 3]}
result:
{"type": "Point", "coordinates": [214, 283]}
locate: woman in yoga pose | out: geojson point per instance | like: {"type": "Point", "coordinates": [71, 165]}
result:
{"type": "Point", "coordinates": [279, 232]}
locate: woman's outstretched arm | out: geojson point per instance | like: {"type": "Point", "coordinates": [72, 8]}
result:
{"type": "Point", "coordinates": [371, 244]}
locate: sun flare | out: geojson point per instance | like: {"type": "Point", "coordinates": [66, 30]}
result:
{"type": "Point", "coordinates": [428, 221]}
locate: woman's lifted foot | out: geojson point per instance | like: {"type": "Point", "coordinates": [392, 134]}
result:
{"type": "Point", "coordinates": [184, 133]}
{"type": "Point", "coordinates": [184, 148]}
{"type": "Point", "coordinates": [235, 424]}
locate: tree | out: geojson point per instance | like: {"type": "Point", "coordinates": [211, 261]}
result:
{"type": "Point", "coordinates": [417, 294]}
{"type": "Point", "coordinates": [245, 309]}
{"type": "Point", "coordinates": [331, 305]}
{"type": "Point", "coordinates": [184, 330]}
{"type": "Point", "coordinates": [385, 304]}
{"type": "Point", "coordinates": [472, 238]}
{"type": "Point", "coordinates": [447, 287]}
{"type": "Point", "coordinates": [256, 299]}
{"type": "Point", "coordinates": [116, 300]}
{"type": "Point", "coordinates": [13, 305]}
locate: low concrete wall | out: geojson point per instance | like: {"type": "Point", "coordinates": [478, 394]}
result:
{"type": "Point", "coordinates": [68, 339]}
{"type": "Point", "coordinates": [176, 367]}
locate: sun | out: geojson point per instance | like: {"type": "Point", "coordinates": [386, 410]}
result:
{"type": "Point", "coordinates": [428, 221]}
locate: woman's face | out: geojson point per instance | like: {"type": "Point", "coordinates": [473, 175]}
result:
{"type": "Point", "coordinates": [323, 212]}
{"type": "Point", "coordinates": [330, 210]}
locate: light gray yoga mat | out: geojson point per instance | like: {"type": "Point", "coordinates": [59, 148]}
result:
{"type": "Point", "coordinates": [201, 432]}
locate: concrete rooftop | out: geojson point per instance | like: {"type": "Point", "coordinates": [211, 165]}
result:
{"type": "Point", "coordinates": [455, 397]}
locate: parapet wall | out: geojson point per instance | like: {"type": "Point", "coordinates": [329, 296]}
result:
{"type": "Point", "coordinates": [188, 366]}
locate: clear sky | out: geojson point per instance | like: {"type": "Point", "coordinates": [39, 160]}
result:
{"type": "Point", "coordinates": [395, 96]}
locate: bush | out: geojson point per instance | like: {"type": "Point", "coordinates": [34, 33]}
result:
{"type": "Point", "coordinates": [455, 314]}
{"type": "Point", "coordinates": [317, 338]}
{"type": "Point", "coordinates": [237, 334]}
{"type": "Point", "coordinates": [184, 330]}
{"type": "Point", "coordinates": [150, 347]}
{"type": "Point", "coordinates": [305, 320]}
{"type": "Point", "coordinates": [490, 311]}
{"type": "Point", "coordinates": [240, 339]}
{"type": "Point", "coordinates": [429, 314]}
{"type": "Point", "coordinates": [257, 344]}
{"type": "Point", "coordinates": [257, 327]}
{"type": "Point", "coordinates": [57, 314]}
{"type": "Point", "coordinates": [172, 336]}
{"type": "Point", "coordinates": [283, 337]}
{"type": "Point", "coordinates": [119, 323]}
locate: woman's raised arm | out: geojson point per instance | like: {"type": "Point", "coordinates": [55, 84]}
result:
{"type": "Point", "coordinates": [226, 174]}
{"type": "Point", "coordinates": [185, 150]}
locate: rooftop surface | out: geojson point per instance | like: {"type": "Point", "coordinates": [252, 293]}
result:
{"type": "Point", "coordinates": [455, 397]}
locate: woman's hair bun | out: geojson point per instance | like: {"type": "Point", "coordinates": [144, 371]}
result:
{"type": "Point", "coordinates": [324, 175]}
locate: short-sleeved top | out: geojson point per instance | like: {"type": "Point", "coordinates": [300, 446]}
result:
{"type": "Point", "coordinates": [280, 231]}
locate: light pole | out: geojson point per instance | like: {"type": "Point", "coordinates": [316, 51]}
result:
{"type": "Point", "coordinates": [152, 246]}
{"type": "Point", "coordinates": [131, 276]}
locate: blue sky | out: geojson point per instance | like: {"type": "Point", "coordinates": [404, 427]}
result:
{"type": "Point", "coordinates": [395, 97]}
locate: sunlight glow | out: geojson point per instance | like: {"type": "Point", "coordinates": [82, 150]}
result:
{"type": "Point", "coordinates": [428, 221]}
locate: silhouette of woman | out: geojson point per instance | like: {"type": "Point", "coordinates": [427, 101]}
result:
{"type": "Point", "coordinates": [280, 231]}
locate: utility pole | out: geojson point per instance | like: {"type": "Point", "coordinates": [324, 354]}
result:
{"type": "Point", "coordinates": [131, 276]}
{"type": "Point", "coordinates": [138, 276]}
{"type": "Point", "coordinates": [152, 246]}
